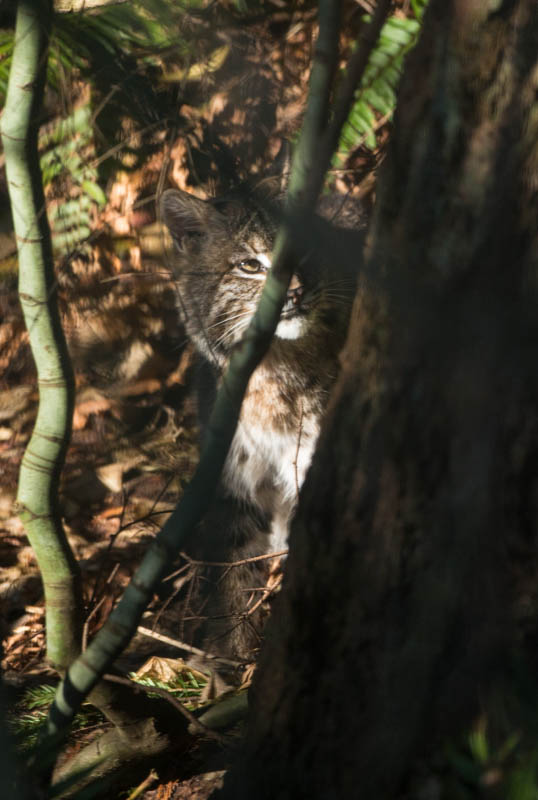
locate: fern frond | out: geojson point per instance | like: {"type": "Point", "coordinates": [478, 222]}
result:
{"type": "Point", "coordinates": [66, 149]}
{"type": "Point", "coordinates": [377, 92]}
{"type": "Point", "coordinates": [29, 717]}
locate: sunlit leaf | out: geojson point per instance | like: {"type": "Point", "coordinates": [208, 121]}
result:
{"type": "Point", "coordinates": [95, 192]}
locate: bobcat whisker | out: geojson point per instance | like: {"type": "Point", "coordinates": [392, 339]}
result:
{"type": "Point", "coordinates": [341, 282]}
{"type": "Point", "coordinates": [338, 298]}
{"type": "Point", "coordinates": [322, 298]}
{"type": "Point", "coordinates": [229, 319]}
{"type": "Point", "coordinates": [226, 313]}
{"type": "Point", "coordinates": [229, 335]}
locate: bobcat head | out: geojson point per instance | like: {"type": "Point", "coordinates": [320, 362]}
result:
{"type": "Point", "coordinates": [222, 255]}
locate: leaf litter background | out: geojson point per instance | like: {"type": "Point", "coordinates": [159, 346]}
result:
{"type": "Point", "coordinates": [229, 103]}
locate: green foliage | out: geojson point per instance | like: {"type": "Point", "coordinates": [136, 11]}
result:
{"type": "Point", "coordinates": [123, 52]}
{"type": "Point", "coordinates": [107, 38]}
{"type": "Point", "coordinates": [377, 93]}
{"type": "Point", "coordinates": [185, 686]}
{"type": "Point", "coordinates": [29, 718]}
{"type": "Point", "coordinates": [65, 160]}
{"type": "Point", "coordinates": [479, 764]}
{"type": "Point", "coordinates": [6, 50]}
{"type": "Point", "coordinates": [498, 756]}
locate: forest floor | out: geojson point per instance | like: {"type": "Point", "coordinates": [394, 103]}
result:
{"type": "Point", "coordinates": [133, 447]}
{"type": "Point", "coordinates": [134, 441]}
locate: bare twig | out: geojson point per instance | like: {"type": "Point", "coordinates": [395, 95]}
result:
{"type": "Point", "coordinates": [229, 564]}
{"type": "Point", "coordinates": [267, 592]}
{"type": "Point", "coordinates": [187, 647]}
{"type": "Point", "coordinates": [97, 605]}
{"type": "Point", "coordinates": [141, 788]}
{"type": "Point", "coordinates": [92, 613]}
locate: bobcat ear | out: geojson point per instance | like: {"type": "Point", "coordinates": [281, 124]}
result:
{"type": "Point", "coordinates": [185, 215]}
{"type": "Point", "coordinates": [274, 185]}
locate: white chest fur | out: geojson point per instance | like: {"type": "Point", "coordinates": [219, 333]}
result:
{"type": "Point", "coordinates": [267, 465]}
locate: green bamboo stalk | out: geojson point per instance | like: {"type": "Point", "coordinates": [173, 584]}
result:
{"type": "Point", "coordinates": [306, 178]}
{"type": "Point", "coordinates": [353, 77]}
{"type": "Point", "coordinates": [44, 455]}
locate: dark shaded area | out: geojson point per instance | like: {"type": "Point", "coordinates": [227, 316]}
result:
{"type": "Point", "coordinates": [408, 613]}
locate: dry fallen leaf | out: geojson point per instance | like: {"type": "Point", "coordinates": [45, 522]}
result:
{"type": "Point", "coordinates": [168, 670]}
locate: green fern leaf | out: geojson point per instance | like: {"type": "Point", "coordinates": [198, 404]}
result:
{"type": "Point", "coordinates": [71, 240]}
{"type": "Point", "coordinates": [377, 93]}
{"type": "Point", "coordinates": [64, 223]}
{"type": "Point", "coordinates": [94, 191]}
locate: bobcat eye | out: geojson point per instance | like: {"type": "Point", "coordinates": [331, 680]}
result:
{"type": "Point", "coordinates": [251, 265]}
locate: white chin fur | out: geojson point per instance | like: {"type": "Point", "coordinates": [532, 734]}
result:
{"type": "Point", "coordinates": [291, 328]}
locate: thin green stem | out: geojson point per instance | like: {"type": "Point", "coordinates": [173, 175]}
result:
{"type": "Point", "coordinates": [44, 455]}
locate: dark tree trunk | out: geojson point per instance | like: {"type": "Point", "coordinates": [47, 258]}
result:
{"type": "Point", "coordinates": [411, 580]}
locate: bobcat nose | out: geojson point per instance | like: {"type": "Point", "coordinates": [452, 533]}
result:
{"type": "Point", "coordinates": [295, 291]}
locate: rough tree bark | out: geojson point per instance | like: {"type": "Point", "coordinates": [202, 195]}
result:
{"type": "Point", "coordinates": [411, 576]}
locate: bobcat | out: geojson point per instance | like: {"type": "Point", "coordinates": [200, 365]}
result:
{"type": "Point", "coordinates": [222, 252]}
